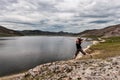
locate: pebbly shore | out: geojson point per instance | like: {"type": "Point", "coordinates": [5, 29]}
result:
{"type": "Point", "coordinates": [91, 69]}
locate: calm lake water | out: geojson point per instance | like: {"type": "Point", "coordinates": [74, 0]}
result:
{"type": "Point", "coordinates": [22, 53]}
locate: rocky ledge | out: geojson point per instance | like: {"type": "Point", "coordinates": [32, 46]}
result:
{"type": "Point", "coordinates": [91, 69]}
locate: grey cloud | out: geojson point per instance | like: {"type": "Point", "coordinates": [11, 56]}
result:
{"type": "Point", "coordinates": [100, 21]}
{"type": "Point", "coordinates": [25, 23]}
{"type": "Point", "coordinates": [6, 3]}
{"type": "Point", "coordinates": [42, 6]}
{"type": "Point", "coordinates": [57, 27]}
{"type": "Point", "coordinates": [97, 15]}
{"type": "Point", "coordinates": [57, 15]}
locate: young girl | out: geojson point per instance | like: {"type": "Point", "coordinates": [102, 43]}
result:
{"type": "Point", "coordinates": [78, 47]}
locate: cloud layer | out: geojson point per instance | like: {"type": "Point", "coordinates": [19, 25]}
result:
{"type": "Point", "coordinates": [59, 15]}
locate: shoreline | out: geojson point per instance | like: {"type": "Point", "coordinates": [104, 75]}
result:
{"type": "Point", "coordinates": [8, 77]}
{"type": "Point", "coordinates": [88, 56]}
{"type": "Point", "coordinates": [108, 67]}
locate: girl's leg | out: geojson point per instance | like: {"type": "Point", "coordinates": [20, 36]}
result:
{"type": "Point", "coordinates": [81, 50]}
{"type": "Point", "coordinates": [76, 53]}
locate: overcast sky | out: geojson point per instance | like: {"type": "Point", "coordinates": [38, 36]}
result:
{"type": "Point", "coordinates": [59, 15]}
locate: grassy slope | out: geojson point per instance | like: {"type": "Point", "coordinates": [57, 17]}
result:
{"type": "Point", "coordinates": [110, 48]}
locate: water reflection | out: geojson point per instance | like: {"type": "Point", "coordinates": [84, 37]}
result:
{"type": "Point", "coordinates": [21, 53]}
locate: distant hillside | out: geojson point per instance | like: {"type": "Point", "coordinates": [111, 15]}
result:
{"type": "Point", "coordinates": [105, 32]}
{"type": "Point", "coordinates": [8, 32]}
{"type": "Point", "coordinates": [39, 32]}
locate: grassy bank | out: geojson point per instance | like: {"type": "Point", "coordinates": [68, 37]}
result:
{"type": "Point", "coordinates": [109, 48]}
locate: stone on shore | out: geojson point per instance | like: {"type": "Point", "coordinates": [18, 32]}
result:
{"type": "Point", "coordinates": [92, 69]}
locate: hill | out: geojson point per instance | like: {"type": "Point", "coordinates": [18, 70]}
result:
{"type": "Point", "coordinates": [8, 32]}
{"type": "Point", "coordinates": [39, 32]}
{"type": "Point", "coordinates": [109, 31]}
{"type": "Point", "coordinates": [105, 32]}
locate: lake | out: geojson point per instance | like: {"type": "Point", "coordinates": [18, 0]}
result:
{"type": "Point", "coordinates": [18, 54]}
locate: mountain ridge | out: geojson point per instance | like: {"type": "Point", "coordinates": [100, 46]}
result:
{"type": "Point", "coordinates": [40, 32]}
{"type": "Point", "coordinates": [9, 32]}
{"type": "Point", "coordinates": [109, 31]}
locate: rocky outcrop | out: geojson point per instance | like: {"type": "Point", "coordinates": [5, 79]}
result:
{"type": "Point", "coordinates": [92, 69]}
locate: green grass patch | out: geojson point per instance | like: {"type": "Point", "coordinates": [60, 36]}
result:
{"type": "Point", "coordinates": [110, 48]}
